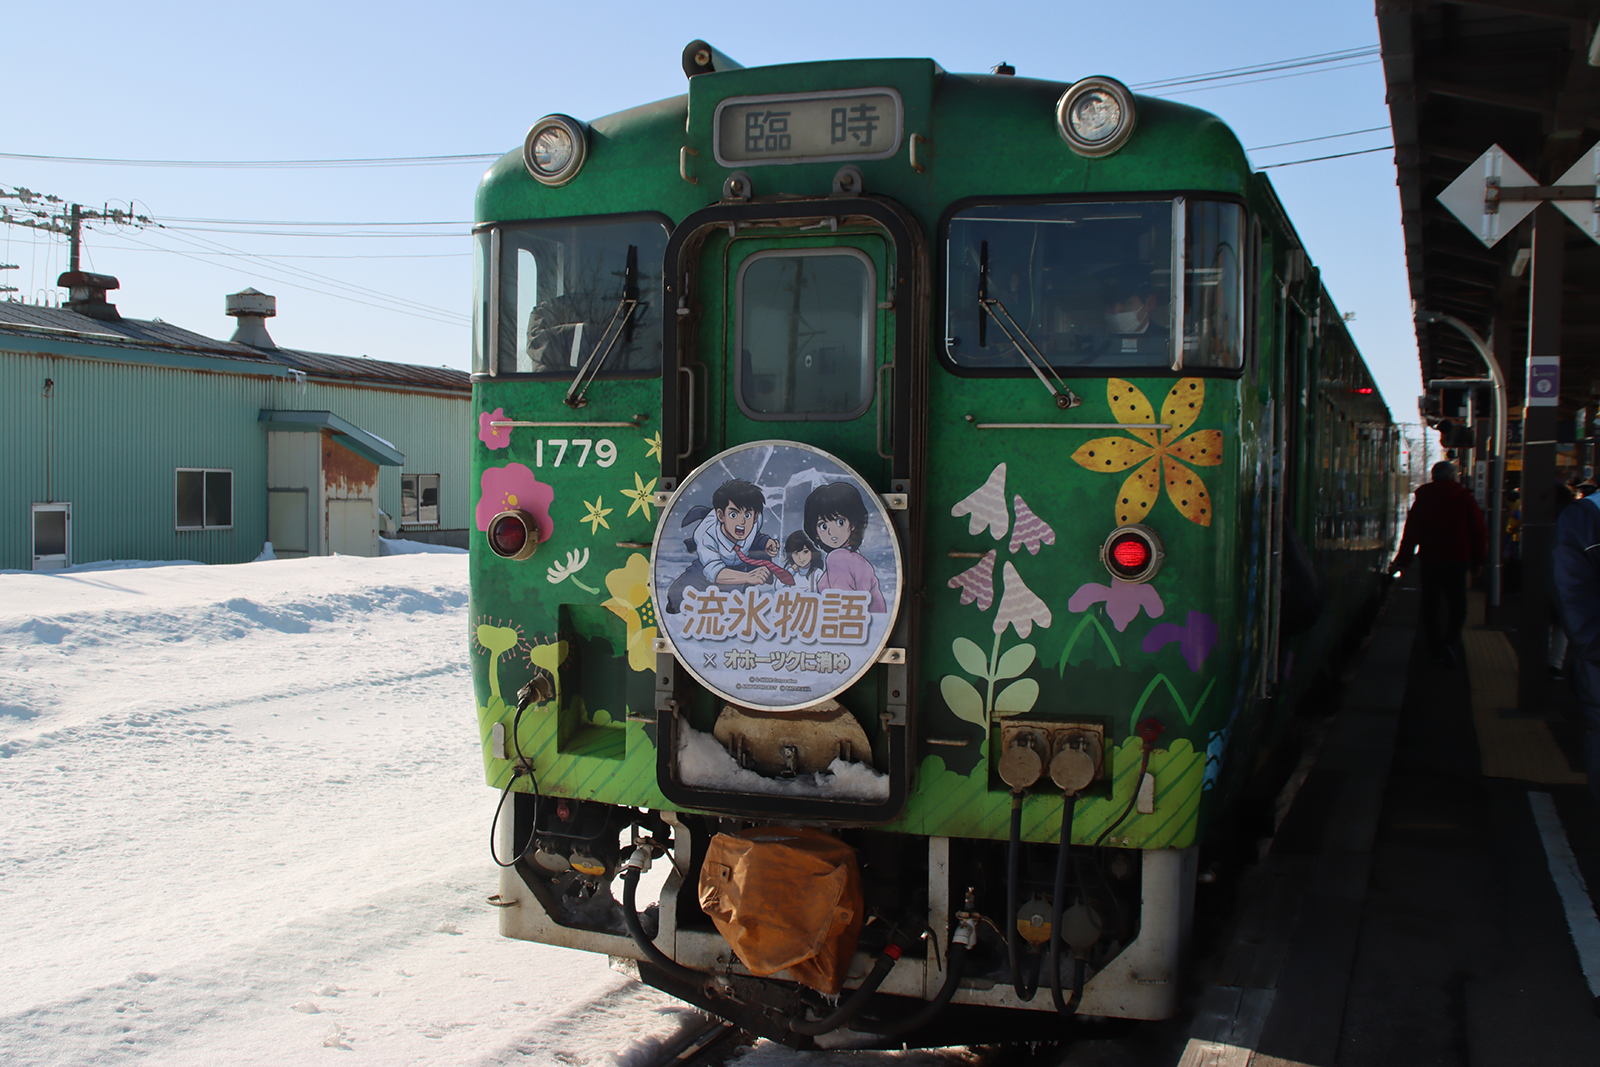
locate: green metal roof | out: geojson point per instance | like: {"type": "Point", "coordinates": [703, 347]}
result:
{"type": "Point", "coordinates": [356, 439]}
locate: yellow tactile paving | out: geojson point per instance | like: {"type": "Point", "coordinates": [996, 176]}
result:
{"type": "Point", "coordinates": [1512, 748]}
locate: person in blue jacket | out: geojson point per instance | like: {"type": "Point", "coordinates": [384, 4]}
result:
{"type": "Point", "coordinates": [1577, 575]}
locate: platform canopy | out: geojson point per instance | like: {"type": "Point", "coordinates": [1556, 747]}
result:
{"type": "Point", "coordinates": [351, 436]}
{"type": "Point", "coordinates": [1463, 77]}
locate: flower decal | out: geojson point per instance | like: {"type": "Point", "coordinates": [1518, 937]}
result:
{"type": "Point", "coordinates": [1123, 600]}
{"type": "Point", "coordinates": [576, 561]}
{"type": "Point", "coordinates": [642, 495]}
{"type": "Point", "coordinates": [652, 445]}
{"type": "Point", "coordinates": [1196, 638]}
{"type": "Point", "coordinates": [1019, 607]}
{"type": "Point", "coordinates": [630, 601]}
{"type": "Point", "coordinates": [1030, 529]}
{"type": "Point", "coordinates": [1158, 455]}
{"type": "Point", "coordinates": [515, 486]}
{"type": "Point", "coordinates": [597, 515]}
{"type": "Point", "coordinates": [986, 505]}
{"type": "Point", "coordinates": [493, 436]}
{"type": "Point", "coordinates": [977, 582]}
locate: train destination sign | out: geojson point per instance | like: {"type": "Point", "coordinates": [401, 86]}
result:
{"type": "Point", "coordinates": [853, 124]}
{"type": "Point", "coordinates": [777, 575]}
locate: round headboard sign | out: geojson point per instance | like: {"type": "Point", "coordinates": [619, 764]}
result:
{"type": "Point", "coordinates": [777, 575]}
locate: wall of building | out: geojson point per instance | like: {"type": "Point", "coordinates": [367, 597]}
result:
{"type": "Point", "coordinates": [109, 436]}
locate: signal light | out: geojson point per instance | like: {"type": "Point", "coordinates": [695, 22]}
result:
{"type": "Point", "coordinates": [513, 535]}
{"type": "Point", "coordinates": [1132, 553]}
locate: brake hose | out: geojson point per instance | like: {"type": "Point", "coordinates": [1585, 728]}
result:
{"type": "Point", "coordinates": [640, 861]}
{"type": "Point", "coordinates": [966, 935]}
{"type": "Point", "coordinates": [852, 1005]}
{"type": "Point", "coordinates": [1025, 985]}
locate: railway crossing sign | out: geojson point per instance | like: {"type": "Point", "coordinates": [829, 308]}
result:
{"type": "Point", "coordinates": [1494, 194]}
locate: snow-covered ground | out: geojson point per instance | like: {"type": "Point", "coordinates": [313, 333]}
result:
{"type": "Point", "coordinates": [244, 822]}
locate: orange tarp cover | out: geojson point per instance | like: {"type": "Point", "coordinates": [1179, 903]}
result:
{"type": "Point", "coordinates": [785, 899]}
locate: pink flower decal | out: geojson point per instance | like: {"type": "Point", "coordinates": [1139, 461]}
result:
{"type": "Point", "coordinates": [493, 436]}
{"type": "Point", "coordinates": [514, 486]}
{"type": "Point", "coordinates": [1196, 638]}
{"type": "Point", "coordinates": [1019, 607]}
{"type": "Point", "coordinates": [1122, 600]}
{"type": "Point", "coordinates": [977, 582]}
{"type": "Point", "coordinates": [986, 505]}
{"type": "Point", "coordinates": [1030, 529]}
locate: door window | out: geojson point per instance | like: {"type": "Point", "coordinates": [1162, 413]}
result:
{"type": "Point", "coordinates": [805, 343]}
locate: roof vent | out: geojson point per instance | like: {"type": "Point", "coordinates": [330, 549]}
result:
{"type": "Point", "coordinates": [252, 308]}
{"type": "Point", "coordinates": [86, 294]}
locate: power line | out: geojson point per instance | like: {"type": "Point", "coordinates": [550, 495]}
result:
{"type": "Point", "coordinates": [1319, 159]}
{"type": "Point", "coordinates": [1231, 73]}
{"type": "Point", "coordinates": [1308, 140]}
{"type": "Point", "coordinates": [266, 164]}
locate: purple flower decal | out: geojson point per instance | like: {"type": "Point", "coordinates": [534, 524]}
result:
{"type": "Point", "coordinates": [977, 582]}
{"type": "Point", "coordinates": [494, 436]}
{"type": "Point", "coordinates": [1030, 529]}
{"type": "Point", "coordinates": [514, 486]}
{"type": "Point", "coordinates": [1196, 638]}
{"type": "Point", "coordinates": [1122, 600]}
{"type": "Point", "coordinates": [1019, 607]}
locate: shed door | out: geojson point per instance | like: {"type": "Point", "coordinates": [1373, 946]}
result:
{"type": "Point", "coordinates": [52, 536]}
{"type": "Point", "coordinates": [352, 527]}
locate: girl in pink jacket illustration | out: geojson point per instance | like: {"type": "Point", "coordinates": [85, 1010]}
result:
{"type": "Point", "coordinates": [836, 519]}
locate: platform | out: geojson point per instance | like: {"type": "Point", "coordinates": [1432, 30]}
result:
{"type": "Point", "coordinates": [1423, 900]}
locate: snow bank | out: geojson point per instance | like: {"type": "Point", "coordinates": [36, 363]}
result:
{"type": "Point", "coordinates": [400, 546]}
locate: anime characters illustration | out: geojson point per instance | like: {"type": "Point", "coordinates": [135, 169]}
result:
{"type": "Point", "coordinates": [836, 519]}
{"type": "Point", "coordinates": [800, 557]}
{"type": "Point", "coordinates": [729, 547]}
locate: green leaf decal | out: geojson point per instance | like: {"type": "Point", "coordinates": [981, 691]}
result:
{"type": "Point", "coordinates": [971, 658]}
{"type": "Point", "coordinates": [1017, 697]}
{"type": "Point", "coordinates": [1015, 661]}
{"type": "Point", "coordinates": [963, 699]}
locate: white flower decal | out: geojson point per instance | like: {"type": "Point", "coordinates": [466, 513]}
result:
{"type": "Point", "coordinates": [1019, 607]}
{"type": "Point", "coordinates": [987, 506]}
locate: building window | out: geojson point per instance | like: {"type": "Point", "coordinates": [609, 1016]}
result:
{"type": "Point", "coordinates": [419, 500]}
{"type": "Point", "coordinates": [202, 499]}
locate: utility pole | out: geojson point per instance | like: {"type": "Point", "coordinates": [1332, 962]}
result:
{"type": "Point", "coordinates": [42, 211]}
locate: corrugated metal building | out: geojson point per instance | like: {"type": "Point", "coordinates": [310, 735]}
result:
{"type": "Point", "coordinates": [131, 439]}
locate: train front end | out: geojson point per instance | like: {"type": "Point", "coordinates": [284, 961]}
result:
{"type": "Point", "coordinates": [873, 531]}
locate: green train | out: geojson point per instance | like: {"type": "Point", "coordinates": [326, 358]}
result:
{"type": "Point", "coordinates": [909, 504]}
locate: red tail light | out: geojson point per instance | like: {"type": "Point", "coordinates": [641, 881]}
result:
{"type": "Point", "coordinates": [512, 535]}
{"type": "Point", "coordinates": [1132, 553]}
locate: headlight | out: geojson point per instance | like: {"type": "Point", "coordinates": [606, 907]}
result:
{"type": "Point", "coordinates": [1096, 116]}
{"type": "Point", "coordinates": [554, 149]}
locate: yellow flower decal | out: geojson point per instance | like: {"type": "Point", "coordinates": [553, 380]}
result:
{"type": "Point", "coordinates": [597, 516]}
{"type": "Point", "coordinates": [1160, 455]}
{"type": "Point", "coordinates": [630, 601]}
{"type": "Point", "coordinates": [653, 445]}
{"type": "Point", "coordinates": [642, 495]}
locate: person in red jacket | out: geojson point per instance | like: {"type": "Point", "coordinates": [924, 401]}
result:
{"type": "Point", "coordinates": [1445, 530]}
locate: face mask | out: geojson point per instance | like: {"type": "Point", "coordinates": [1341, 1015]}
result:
{"type": "Point", "coordinates": [1126, 321]}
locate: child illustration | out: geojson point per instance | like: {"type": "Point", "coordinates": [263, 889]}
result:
{"type": "Point", "coordinates": [836, 519]}
{"type": "Point", "coordinates": [800, 558]}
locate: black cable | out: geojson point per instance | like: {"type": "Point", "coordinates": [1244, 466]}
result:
{"type": "Point", "coordinates": [924, 1015]}
{"type": "Point", "coordinates": [1069, 805]}
{"type": "Point", "coordinates": [856, 1002]}
{"type": "Point", "coordinates": [1025, 986]}
{"type": "Point", "coordinates": [516, 773]}
{"type": "Point", "coordinates": [1144, 766]}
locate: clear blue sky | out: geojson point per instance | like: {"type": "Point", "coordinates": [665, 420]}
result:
{"type": "Point", "coordinates": [299, 80]}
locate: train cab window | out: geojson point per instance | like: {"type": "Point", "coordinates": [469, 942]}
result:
{"type": "Point", "coordinates": [566, 291]}
{"type": "Point", "coordinates": [1088, 286]}
{"type": "Point", "coordinates": [804, 333]}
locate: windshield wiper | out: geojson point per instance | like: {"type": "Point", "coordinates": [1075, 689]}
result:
{"type": "Point", "coordinates": [988, 305]}
{"type": "Point", "coordinates": [621, 323]}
